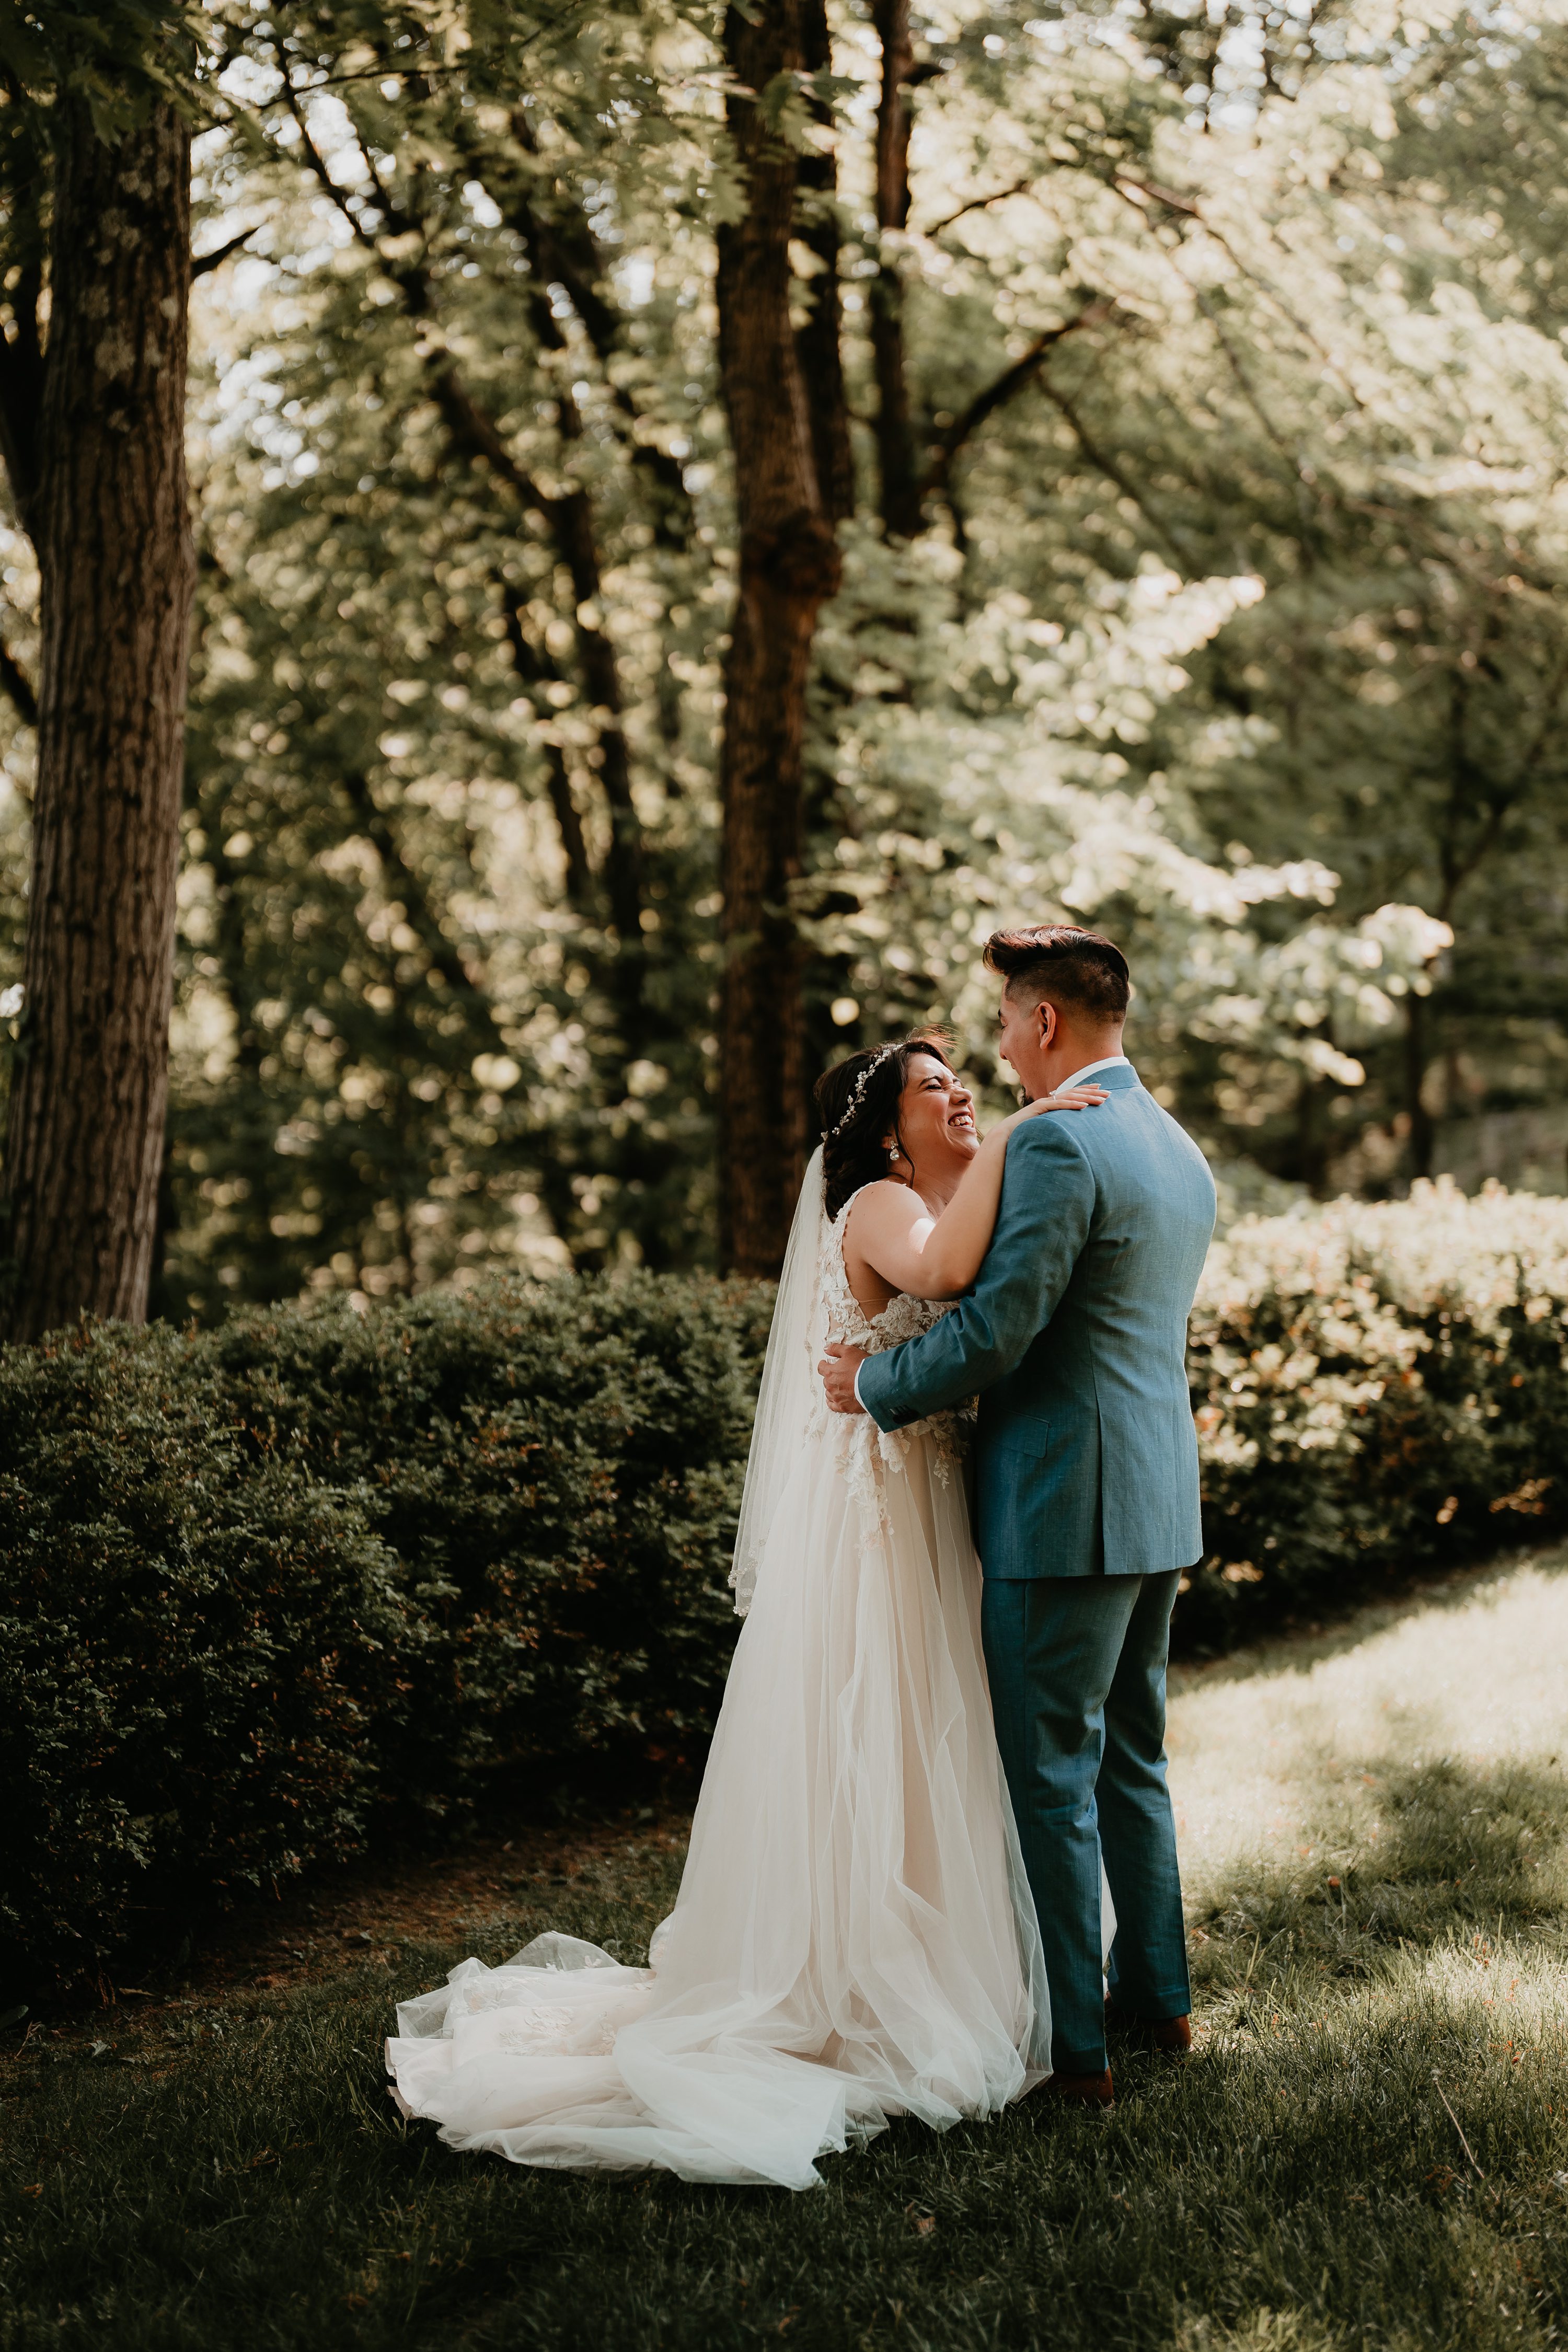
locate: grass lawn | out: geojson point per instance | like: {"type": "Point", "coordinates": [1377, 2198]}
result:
{"type": "Point", "coordinates": [1369, 2147]}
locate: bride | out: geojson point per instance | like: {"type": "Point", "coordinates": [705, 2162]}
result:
{"type": "Point", "coordinates": [854, 1937]}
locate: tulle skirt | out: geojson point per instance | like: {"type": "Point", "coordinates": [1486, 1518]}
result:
{"type": "Point", "coordinates": [854, 1937]}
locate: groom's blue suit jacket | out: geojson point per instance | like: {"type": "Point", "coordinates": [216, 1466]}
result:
{"type": "Point", "coordinates": [1075, 1335]}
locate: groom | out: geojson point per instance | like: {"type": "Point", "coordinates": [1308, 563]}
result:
{"type": "Point", "coordinates": [1087, 1478]}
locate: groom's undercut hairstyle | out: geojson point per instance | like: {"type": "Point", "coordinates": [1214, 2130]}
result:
{"type": "Point", "coordinates": [1082, 973]}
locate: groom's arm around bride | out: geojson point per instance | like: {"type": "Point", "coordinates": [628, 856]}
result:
{"type": "Point", "coordinates": [1086, 1479]}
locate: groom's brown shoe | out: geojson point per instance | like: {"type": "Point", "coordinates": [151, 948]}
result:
{"type": "Point", "coordinates": [1081, 2090]}
{"type": "Point", "coordinates": [1171, 2036]}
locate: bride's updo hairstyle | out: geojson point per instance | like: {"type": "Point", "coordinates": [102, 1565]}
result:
{"type": "Point", "coordinates": [857, 1103]}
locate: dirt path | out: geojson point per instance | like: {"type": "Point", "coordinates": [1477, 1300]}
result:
{"type": "Point", "coordinates": [330, 1920]}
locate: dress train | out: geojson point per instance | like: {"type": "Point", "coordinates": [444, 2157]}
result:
{"type": "Point", "coordinates": [854, 1937]}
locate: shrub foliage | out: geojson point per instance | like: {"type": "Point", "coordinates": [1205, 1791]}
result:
{"type": "Point", "coordinates": [1379, 1391]}
{"type": "Point", "coordinates": [260, 1585]}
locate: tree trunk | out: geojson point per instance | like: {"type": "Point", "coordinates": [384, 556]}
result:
{"type": "Point", "coordinates": [530, 668]}
{"type": "Point", "coordinates": [571, 520]}
{"type": "Point", "coordinates": [788, 564]}
{"type": "Point", "coordinates": [819, 343]}
{"type": "Point", "coordinates": [1422, 1143]}
{"type": "Point", "coordinates": [112, 532]}
{"type": "Point", "coordinates": [895, 444]}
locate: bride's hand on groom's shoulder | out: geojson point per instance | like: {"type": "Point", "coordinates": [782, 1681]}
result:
{"type": "Point", "coordinates": [1071, 1099]}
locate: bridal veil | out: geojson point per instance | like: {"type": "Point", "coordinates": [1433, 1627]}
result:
{"type": "Point", "coordinates": [854, 1937]}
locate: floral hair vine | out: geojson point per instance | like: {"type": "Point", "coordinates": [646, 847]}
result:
{"type": "Point", "coordinates": [857, 1091]}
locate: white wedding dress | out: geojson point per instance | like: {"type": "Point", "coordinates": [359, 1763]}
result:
{"type": "Point", "coordinates": [854, 1937]}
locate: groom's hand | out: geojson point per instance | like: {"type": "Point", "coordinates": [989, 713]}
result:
{"type": "Point", "coordinates": [838, 1369]}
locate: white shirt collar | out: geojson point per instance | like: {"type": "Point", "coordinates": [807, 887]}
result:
{"type": "Point", "coordinates": [1106, 1062]}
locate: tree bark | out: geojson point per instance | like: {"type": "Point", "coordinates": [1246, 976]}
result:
{"type": "Point", "coordinates": [788, 563]}
{"type": "Point", "coordinates": [112, 532]}
{"type": "Point", "coordinates": [1422, 1142]}
{"type": "Point", "coordinates": [819, 343]}
{"type": "Point", "coordinates": [997, 395]}
{"type": "Point", "coordinates": [901, 514]}
{"type": "Point", "coordinates": [571, 520]}
{"type": "Point", "coordinates": [530, 668]}
{"type": "Point", "coordinates": [570, 517]}
{"type": "Point", "coordinates": [566, 253]}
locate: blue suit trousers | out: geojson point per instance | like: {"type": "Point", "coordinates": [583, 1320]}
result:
{"type": "Point", "coordinates": [1076, 1666]}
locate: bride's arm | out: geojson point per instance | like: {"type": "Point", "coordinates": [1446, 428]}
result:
{"type": "Point", "coordinates": [939, 1257]}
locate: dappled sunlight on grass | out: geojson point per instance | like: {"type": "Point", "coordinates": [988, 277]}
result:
{"type": "Point", "coordinates": [1367, 2153]}
{"type": "Point", "coordinates": [1422, 1759]}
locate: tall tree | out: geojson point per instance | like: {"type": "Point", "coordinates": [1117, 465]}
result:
{"type": "Point", "coordinates": [820, 340]}
{"type": "Point", "coordinates": [895, 440]}
{"type": "Point", "coordinates": [1135, 349]}
{"type": "Point", "coordinates": [788, 563]}
{"type": "Point", "coordinates": [94, 412]}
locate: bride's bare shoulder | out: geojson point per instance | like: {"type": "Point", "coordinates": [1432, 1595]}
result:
{"type": "Point", "coordinates": [884, 1202]}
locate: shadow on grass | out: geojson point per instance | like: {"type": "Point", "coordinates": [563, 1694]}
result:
{"type": "Point", "coordinates": [1299, 2185]}
{"type": "Point", "coordinates": [1463, 1849]}
{"type": "Point", "coordinates": [1368, 2152]}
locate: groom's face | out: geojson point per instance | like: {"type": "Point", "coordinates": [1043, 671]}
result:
{"type": "Point", "coordinates": [1022, 1040]}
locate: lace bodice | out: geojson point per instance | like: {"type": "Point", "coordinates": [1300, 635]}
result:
{"type": "Point", "coordinates": [855, 1937]}
{"type": "Point", "coordinates": [859, 1443]}
{"type": "Point", "coordinates": [903, 1318]}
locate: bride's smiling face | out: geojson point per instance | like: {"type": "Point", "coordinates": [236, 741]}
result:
{"type": "Point", "coordinates": [936, 1118]}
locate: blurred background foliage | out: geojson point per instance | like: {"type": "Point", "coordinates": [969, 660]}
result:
{"type": "Point", "coordinates": [1221, 602]}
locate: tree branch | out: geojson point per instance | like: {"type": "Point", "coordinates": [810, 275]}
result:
{"type": "Point", "coordinates": [318, 165]}
{"type": "Point", "coordinates": [1111, 469]}
{"type": "Point", "coordinates": [571, 520]}
{"type": "Point", "coordinates": [477, 434]}
{"type": "Point", "coordinates": [534, 669]}
{"type": "Point", "coordinates": [21, 393]}
{"type": "Point", "coordinates": [16, 684]}
{"type": "Point", "coordinates": [1304, 476]}
{"type": "Point", "coordinates": [442, 955]}
{"type": "Point", "coordinates": [996, 395]}
{"type": "Point", "coordinates": [398, 222]}
{"type": "Point", "coordinates": [1188, 210]}
{"type": "Point", "coordinates": [570, 517]}
{"type": "Point", "coordinates": [567, 254]}
{"type": "Point", "coordinates": [818, 342]}
{"type": "Point", "coordinates": [202, 262]}
{"type": "Point", "coordinates": [977, 204]}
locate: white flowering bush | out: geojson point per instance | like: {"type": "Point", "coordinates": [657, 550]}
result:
{"type": "Point", "coordinates": [988, 762]}
{"type": "Point", "coordinates": [1379, 1389]}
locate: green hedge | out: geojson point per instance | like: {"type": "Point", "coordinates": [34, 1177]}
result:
{"type": "Point", "coordinates": [263, 1586]}
{"type": "Point", "coordinates": [259, 1585]}
{"type": "Point", "coordinates": [1380, 1391]}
